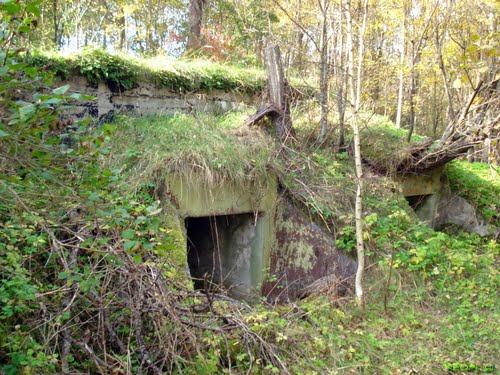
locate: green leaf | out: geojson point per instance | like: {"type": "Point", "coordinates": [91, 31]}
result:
{"type": "Point", "coordinates": [26, 112]}
{"type": "Point", "coordinates": [61, 90]}
{"type": "Point", "coordinates": [137, 259]}
{"type": "Point", "coordinates": [128, 234]}
{"type": "Point", "coordinates": [10, 6]}
{"type": "Point", "coordinates": [34, 7]}
{"type": "Point", "coordinates": [128, 244]}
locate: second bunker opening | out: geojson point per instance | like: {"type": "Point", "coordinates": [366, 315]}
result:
{"type": "Point", "coordinates": [225, 250]}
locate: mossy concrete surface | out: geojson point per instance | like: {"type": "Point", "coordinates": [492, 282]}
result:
{"type": "Point", "coordinates": [422, 184]}
{"type": "Point", "coordinates": [147, 99]}
{"type": "Point", "coordinates": [303, 253]}
{"type": "Point", "coordinates": [195, 196]}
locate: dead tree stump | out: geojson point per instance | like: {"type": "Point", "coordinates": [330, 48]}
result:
{"type": "Point", "coordinates": [278, 92]}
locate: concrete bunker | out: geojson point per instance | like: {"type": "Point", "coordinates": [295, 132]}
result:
{"type": "Point", "coordinates": [429, 195]}
{"type": "Point", "coordinates": [249, 238]}
{"type": "Point", "coordinates": [225, 250]}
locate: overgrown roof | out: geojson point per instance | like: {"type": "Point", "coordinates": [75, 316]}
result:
{"type": "Point", "coordinates": [178, 75]}
{"type": "Point", "coordinates": [479, 183]}
{"type": "Point", "coordinates": [214, 146]}
{"type": "Point", "coordinates": [384, 147]}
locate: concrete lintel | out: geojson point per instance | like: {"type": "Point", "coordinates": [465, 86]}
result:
{"type": "Point", "coordinates": [422, 184]}
{"type": "Point", "coordinates": [194, 197]}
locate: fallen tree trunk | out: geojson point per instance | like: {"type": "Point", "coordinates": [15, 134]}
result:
{"type": "Point", "coordinates": [269, 110]}
{"type": "Point", "coordinates": [461, 135]}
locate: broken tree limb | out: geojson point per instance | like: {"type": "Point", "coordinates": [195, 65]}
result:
{"type": "Point", "coordinates": [269, 110]}
{"type": "Point", "coordinates": [278, 92]}
{"type": "Point", "coordinates": [469, 129]}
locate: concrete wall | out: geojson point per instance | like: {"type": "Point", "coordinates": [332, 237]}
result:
{"type": "Point", "coordinates": [430, 182]}
{"type": "Point", "coordinates": [147, 99]}
{"type": "Point", "coordinates": [242, 225]}
{"type": "Point", "coordinates": [304, 253]}
{"type": "Point", "coordinates": [438, 206]}
{"type": "Point", "coordinates": [265, 246]}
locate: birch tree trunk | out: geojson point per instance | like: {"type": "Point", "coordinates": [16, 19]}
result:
{"type": "Point", "coordinates": [401, 72]}
{"type": "Point", "coordinates": [341, 78]}
{"type": "Point", "coordinates": [354, 103]}
{"type": "Point", "coordinates": [451, 111]}
{"type": "Point", "coordinates": [323, 82]}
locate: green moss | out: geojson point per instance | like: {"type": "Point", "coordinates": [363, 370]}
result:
{"type": "Point", "coordinates": [479, 184]}
{"type": "Point", "coordinates": [177, 235]}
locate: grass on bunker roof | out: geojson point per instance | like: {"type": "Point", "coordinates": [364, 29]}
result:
{"type": "Point", "coordinates": [214, 146]}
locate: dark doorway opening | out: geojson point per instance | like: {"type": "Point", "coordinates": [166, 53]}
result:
{"type": "Point", "coordinates": [221, 251]}
{"type": "Point", "coordinates": [416, 201]}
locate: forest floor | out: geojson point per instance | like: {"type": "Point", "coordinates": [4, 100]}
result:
{"type": "Point", "coordinates": [86, 248]}
{"type": "Point", "coordinates": [432, 297]}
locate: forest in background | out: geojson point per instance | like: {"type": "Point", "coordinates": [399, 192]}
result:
{"type": "Point", "coordinates": [91, 274]}
{"type": "Point", "coordinates": [421, 60]}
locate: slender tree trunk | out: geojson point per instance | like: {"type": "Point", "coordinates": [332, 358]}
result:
{"type": "Point", "coordinates": [323, 81]}
{"type": "Point", "coordinates": [361, 48]}
{"type": "Point", "coordinates": [434, 110]}
{"type": "Point", "coordinates": [122, 24]}
{"type": "Point", "coordinates": [412, 92]}
{"type": "Point", "coordinates": [355, 100]}
{"type": "Point", "coordinates": [401, 72]}
{"type": "Point", "coordinates": [56, 23]}
{"type": "Point", "coordinates": [341, 80]}
{"type": "Point", "coordinates": [451, 111]}
{"type": "Point", "coordinates": [196, 8]}
{"type": "Point", "coordinates": [299, 37]}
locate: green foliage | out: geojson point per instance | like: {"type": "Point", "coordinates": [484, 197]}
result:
{"type": "Point", "coordinates": [124, 72]}
{"type": "Point", "coordinates": [478, 183]}
{"type": "Point", "coordinates": [462, 267]}
{"type": "Point", "coordinates": [65, 220]}
{"type": "Point", "coordinates": [97, 65]}
{"type": "Point", "coordinates": [121, 72]}
{"type": "Point", "coordinates": [50, 62]}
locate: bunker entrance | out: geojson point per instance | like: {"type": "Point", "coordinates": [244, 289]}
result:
{"type": "Point", "coordinates": [225, 250]}
{"type": "Point", "coordinates": [416, 201]}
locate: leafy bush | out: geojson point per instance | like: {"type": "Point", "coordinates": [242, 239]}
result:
{"type": "Point", "coordinates": [97, 65]}
{"type": "Point", "coordinates": [51, 62]}
{"type": "Point", "coordinates": [461, 267]}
